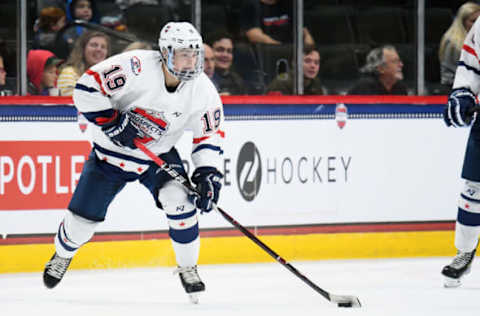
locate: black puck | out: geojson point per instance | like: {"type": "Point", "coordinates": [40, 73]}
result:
{"type": "Point", "coordinates": [348, 304]}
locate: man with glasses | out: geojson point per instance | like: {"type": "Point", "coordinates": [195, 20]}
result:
{"type": "Point", "coordinates": [227, 81]}
{"type": "Point", "coordinates": [383, 74]}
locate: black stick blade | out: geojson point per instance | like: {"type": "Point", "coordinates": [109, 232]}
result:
{"type": "Point", "coordinates": [345, 301]}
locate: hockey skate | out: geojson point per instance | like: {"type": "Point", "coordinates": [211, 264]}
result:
{"type": "Point", "coordinates": [459, 267]}
{"type": "Point", "coordinates": [55, 270]}
{"type": "Point", "coordinates": [191, 282]}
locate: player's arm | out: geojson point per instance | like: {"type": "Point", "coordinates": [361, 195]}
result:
{"type": "Point", "coordinates": [207, 152]}
{"type": "Point", "coordinates": [460, 108]}
{"type": "Point", "coordinates": [92, 97]}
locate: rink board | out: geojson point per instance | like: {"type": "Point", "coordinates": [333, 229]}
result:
{"type": "Point", "coordinates": [223, 250]}
{"type": "Point", "coordinates": [291, 165]}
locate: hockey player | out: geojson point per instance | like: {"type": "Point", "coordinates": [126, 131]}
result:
{"type": "Point", "coordinates": [460, 111]}
{"type": "Point", "coordinates": [152, 96]}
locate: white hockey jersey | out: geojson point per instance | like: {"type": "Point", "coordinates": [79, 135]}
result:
{"type": "Point", "coordinates": [468, 68]}
{"type": "Point", "coordinates": [135, 79]}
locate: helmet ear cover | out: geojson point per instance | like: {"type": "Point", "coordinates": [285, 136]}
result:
{"type": "Point", "coordinates": [177, 36]}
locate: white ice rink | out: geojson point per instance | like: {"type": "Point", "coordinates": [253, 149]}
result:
{"type": "Point", "coordinates": [407, 287]}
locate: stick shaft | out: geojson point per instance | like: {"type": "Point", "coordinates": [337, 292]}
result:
{"type": "Point", "coordinates": [178, 177]}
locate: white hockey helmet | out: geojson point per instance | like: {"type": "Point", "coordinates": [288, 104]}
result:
{"type": "Point", "coordinates": [181, 37]}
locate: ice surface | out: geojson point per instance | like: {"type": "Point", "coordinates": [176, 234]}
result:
{"type": "Point", "coordinates": [385, 287]}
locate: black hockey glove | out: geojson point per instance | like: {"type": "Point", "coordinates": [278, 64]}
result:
{"type": "Point", "coordinates": [122, 131]}
{"type": "Point", "coordinates": [207, 180]}
{"type": "Point", "coordinates": [459, 111]}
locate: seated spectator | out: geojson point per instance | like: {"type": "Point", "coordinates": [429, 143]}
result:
{"type": "Point", "coordinates": [383, 73]}
{"type": "Point", "coordinates": [209, 61]}
{"type": "Point", "coordinates": [50, 21]}
{"type": "Point", "coordinates": [3, 83]}
{"type": "Point", "coordinates": [137, 45]}
{"type": "Point", "coordinates": [452, 41]}
{"type": "Point", "coordinates": [42, 72]}
{"type": "Point", "coordinates": [283, 83]}
{"type": "Point", "coordinates": [90, 49]}
{"type": "Point", "coordinates": [5, 89]}
{"type": "Point", "coordinates": [226, 80]}
{"type": "Point", "coordinates": [270, 22]}
{"type": "Point", "coordinates": [84, 10]}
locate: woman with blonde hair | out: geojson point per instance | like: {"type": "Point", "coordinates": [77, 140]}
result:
{"type": "Point", "coordinates": [452, 41]}
{"type": "Point", "coordinates": [89, 49]}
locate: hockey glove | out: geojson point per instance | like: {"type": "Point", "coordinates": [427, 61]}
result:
{"type": "Point", "coordinates": [122, 132]}
{"type": "Point", "coordinates": [207, 180]}
{"type": "Point", "coordinates": [459, 111]}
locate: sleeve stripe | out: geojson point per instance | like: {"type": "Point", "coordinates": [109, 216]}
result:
{"type": "Point", "coordinates": [462, 64]}
{"type": "Point", "coordinates": [208, 146]}
{"type": "Point", "coordinates": [80, 86]}
{"type": "Point", "coordinates": [470, 50]}
{"type": "Point", "coordinates": [101, 117]}
{"type": "Point", "coordinates": [201, 139]}
{"type": "Point", "coordinates": [97, 79]}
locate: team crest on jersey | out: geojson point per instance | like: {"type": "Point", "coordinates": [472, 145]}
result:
{"type": "Point", "coordinates": [152, 123]}
{"type": "Point", "coordinates": [136, 65]}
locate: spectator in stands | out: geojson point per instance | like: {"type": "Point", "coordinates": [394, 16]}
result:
{"type": "Point", "coordinates": [137, 45]}
{"type": "Point", "coordinates": [84, 10]}
{"type": "Point", "coordinates": [90, 49]}
{"type": "Point", "coordinates": [452, 41]}
{"type": "Point", "coordinates": [270, 22]}
{"type": "Point", "coordinates": [3, 83]}
{"type": "Point", "coordinates": [209, 62]}
{"type": "Point", "coordinates": [42, 72]}
{"type": "Point", "coordinates": [226, 80]}
{"type": "Point", "coordinates": [383, 73]}
{"type": "Point", "coordinates": [5, 89]}
{"type": "Point", "coordinates": [50, 21]}
{"type": "Point", "coordinates": [283, 83]}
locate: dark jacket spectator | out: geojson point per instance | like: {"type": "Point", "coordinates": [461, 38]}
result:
{"type": "Point", "coordinates": [50, 21]}
{"type": "Point", "coordinates": [227, 81]}
{"type": "Point", "coordinates": [384, 74]}
{"type": "Point", "coordinates": [370, 84]}
{"type": "Point", "coordinates": [85, 10]}
{"type": "Point", "coordinates": [5, 88]}
{"type": "Point", "coordinates": [283, 83]}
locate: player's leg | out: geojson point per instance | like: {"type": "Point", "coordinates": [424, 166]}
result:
{"type": "Point", "coordinates": [93, 194]}
{"type": "Point", "coordinates": [467, 227]}
{"type": "Point", "coordinates": [182, 217]}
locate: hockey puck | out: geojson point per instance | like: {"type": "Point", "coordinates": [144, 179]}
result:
{"type": "Point", "coordinates": [347, 304]}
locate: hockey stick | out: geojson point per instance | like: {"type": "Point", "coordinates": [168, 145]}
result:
{"type": "Point", "coordinates": [340, 300]}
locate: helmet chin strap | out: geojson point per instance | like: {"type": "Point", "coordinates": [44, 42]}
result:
{"type": "Point", "coordinates": [170, 79]}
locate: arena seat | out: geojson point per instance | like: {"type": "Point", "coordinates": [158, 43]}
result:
{"type": "Point", "coordinates": [380, 25]}
{"type": "Point", "coordinates": [330, 24]}
{"type": "Point", "coordinates": [146, 21]}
